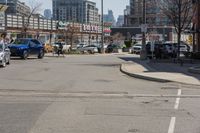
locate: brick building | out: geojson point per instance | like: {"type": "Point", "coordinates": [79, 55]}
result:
{"type": "Point", "coordinates": [154, 16]}
{"type": "Point", "coordinates": [196, 22]}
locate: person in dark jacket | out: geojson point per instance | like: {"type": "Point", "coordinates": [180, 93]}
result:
{"type": "Point", "coordinates": [60, 49]}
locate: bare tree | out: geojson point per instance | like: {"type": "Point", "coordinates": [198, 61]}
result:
{"type": "Point", "coordinates": [71, 32]}
{"type": "Point", "coordinates": [118, 36]}
{"type": "Point", "coordinates": [180, 14]}
{"type": "Point", "coordinates": [34, 9]}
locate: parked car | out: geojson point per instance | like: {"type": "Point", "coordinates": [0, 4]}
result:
{"type": "Point", "coordinates": [99, 46]}
{"type": "Point", "coordinates": [25, 47]}
{"type": "Point", "coordinates": [90, 49]}
{"type": "Point", "coordinates": [65, 47]}
{"type": "Point", "coordinates": [162, 50]}
{"type": "Point", "coordinates": [184, 48]}
{"type": "Point", "coordinates": [80, 45]}
{"type": "Point", "coordinates": [136, 49]}
{"type": "Point", "coordinates": [4, 55]}
{"type": "Point", "coordinates": [111, 48]}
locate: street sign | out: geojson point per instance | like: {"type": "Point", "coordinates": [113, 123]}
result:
{"type": "Point", "coordinates": [152, 46]}
{"type": "Point", "coordinates": [144, 28]}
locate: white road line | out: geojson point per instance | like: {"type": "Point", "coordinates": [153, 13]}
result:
{"type": "Point", "coordinates": [177, 100]}
{"type": "Point", "coordinates": [172, 125]}
{"type": "Point", "coordinates": [176, 106]}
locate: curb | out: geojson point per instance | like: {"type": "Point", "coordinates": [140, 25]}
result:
{"type": "Point", "coordinates": [143, 77]}
{"type": "Point", "coordinates": [151, 78]}
{"type": "Point", "coordinates": [195, 70]}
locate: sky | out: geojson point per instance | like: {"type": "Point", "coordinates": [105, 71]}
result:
{"type": "Point", "coordinates": [117, 6]}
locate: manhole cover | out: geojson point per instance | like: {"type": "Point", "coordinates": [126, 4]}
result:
{"type": "Point", "coordinates": [133, 131]}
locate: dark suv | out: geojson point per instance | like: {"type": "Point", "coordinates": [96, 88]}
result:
{"type": "Point", "coordinates": [25, 47]}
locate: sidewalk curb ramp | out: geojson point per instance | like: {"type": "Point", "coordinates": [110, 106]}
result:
{"type": "Point", "coordinates": [142, 77]}
{"type": "Point", "coordinates": [139, 75]}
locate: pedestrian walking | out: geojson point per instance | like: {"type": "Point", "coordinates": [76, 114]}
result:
{"type": "Point", "coordinates": [60, 49]}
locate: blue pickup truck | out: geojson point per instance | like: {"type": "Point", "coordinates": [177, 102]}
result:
{"type": "Point", "coordinates": [27, 46]}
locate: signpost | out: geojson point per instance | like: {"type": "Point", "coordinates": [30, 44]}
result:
{"type": "Point", "coordinates": [144, 28]}
{"type": "Point", "coordinates": [152, 48]}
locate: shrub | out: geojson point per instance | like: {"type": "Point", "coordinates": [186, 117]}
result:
{"type": "Point", "coordinates": [128, 43]}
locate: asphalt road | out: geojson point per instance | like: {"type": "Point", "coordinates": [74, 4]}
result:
{"type": "Point", "coordinates": [89, 94]}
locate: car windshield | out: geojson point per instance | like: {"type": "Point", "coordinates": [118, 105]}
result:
{"type": "Point", "coordinates": [138, 45]}
{"type": "Point", "coordinates": [21, 41]}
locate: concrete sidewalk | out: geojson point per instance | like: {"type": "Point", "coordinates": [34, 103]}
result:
{"type": "Point", "coordinates": [161, 72]}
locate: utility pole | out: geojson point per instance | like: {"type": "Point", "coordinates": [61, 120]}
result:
{"type": "Point", "coordinates": [198, 25]}
{"type": "Point", "coordinates": [82, 21]}
{"type": "Point", "coordinates": [90, 35]}
{"type": "Point", "coordinates": [102, 30]}
{"type": "Point", "coordinates": [143, 54]}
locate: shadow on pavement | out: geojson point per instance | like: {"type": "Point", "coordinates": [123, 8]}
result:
{"type": "Point", "coordinates": [18, 58]}
{"type": "Point", "coordinates": [168, 66]}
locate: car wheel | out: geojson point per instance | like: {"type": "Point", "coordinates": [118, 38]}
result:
{"type": "Point", "coordinates": [90, 52]}
{"type": "Point", "coordinates": [8, 63]}
{"type": "Point", "coordinates": [25, 55]}
{"type": "Point", "coordinates": [41, 54]}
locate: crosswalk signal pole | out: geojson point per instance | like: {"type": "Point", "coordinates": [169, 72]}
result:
{"type": "Point", "coordinates": [143, 54]}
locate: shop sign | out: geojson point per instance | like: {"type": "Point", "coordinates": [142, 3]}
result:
{"type": "Point", "coordinates": [92, 28]}
{"type": "Point", "coordinates": [62, 25]}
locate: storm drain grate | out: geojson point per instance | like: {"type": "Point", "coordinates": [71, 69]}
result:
{"type": "Point", "coordinates": [133, 131]}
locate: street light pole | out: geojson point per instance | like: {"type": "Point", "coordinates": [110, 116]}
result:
{"type": "Point", "coordinates": [102, 29]}
{"type": "Point", "coordinates": [82, 21]}
{"type": "Point", "coordinates": [143, 54]}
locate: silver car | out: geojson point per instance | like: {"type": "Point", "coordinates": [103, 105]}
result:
{"type": "Point", "coordinates": [136, 49]}
{"type": "Point", "coordinates": [4, 55]}
{"type": "Point", "coordinates": [89, 49]}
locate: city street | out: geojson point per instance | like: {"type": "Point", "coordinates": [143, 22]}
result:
{"type": "Point", "coordinates": [89, 94]}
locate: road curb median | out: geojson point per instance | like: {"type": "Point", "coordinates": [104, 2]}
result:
{"type": "Point", "coordinates": [142, 76]}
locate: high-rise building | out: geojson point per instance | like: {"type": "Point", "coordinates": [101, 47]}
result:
{"type": "Point", "coordinates": [109, 17]}
{"type": "Point", "coordinates": [126, 15]}
{"type": "Point", "coordinates": [16, 7]}
{"type": "Point", "coordinates": [91, 14]}
{"type": "Point", "coordinates": [196, 26]}
{"type": "Point", "coordinates": [154, 15]}
{"type": "Point", "coordinates": [47, 14]}
{"type": "Point", "coordinates": [75, 10]}
{"type": "Point", "coordinates": [120, 21]}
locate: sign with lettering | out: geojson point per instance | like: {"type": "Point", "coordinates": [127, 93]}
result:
{"type": "Point", "coordinates": [62, 25]}
{"type": "Point", "coordinates": [92, 28]}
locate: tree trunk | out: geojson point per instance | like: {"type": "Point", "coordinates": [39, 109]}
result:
{"type": "Point", "coordinates": [71, 41]}
{"type": "Point", "coordinates": [179, 27]}
{"type": "Point", "coordinates": [179, 41]}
